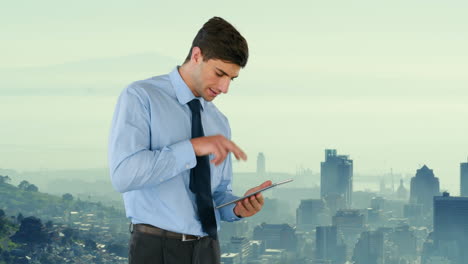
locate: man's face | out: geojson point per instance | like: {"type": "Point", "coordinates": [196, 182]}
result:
{"type": "Point", "coordinates": [213, 77]}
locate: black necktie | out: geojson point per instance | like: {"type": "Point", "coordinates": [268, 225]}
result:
{"type": "Point", "coordinates": [200, 179]}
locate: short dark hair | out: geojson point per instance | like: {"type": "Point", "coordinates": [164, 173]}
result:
{"type": "Point", "coordinates": [218, 39]}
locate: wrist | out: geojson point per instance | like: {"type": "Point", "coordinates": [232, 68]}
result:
{"type": "Point", "coordinates": [235, 213]}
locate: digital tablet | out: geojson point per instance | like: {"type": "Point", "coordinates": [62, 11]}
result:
{"type": "Point", "coordinates": [248, 195]}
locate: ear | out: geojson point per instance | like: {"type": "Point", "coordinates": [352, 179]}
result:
{"type": "Point", "coordinates": [197, 56]}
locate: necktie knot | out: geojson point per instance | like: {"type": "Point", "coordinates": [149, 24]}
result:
{"type": "Point", "coordinates": [194, 106]}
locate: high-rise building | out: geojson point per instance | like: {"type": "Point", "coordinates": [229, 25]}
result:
{"type": "Point", "coordinates": [415, 214]}
{"type": "Point", "coordinates": [311, 213]}
{"type": "Point", "coordinates": [424, 186]}
{"type": "Point", "coordinates": [261, 170]}
{"type": "Point", "coordinates": [464, 179]}
{"type": "Point", "coordinates": [405, 241]}
{"type": "Point", "coordinates": [370, 248]}
{"type": "Point", "coordinates": [451, 227]}
{"type": "Point", "coordinates": [242, 246]}
{"type": "Point", "coordinates": [276, 236]}
{"type": "Point", "coordinates": [350, 224]}
{"type": "Point", "coordinates": [377, 203]}
{"type": "Point", "coordinates": [328, 246]}
{"type": "Point", "coordinates": [232, 229]}
{"type": "Point", "coordinates": [336, 177]}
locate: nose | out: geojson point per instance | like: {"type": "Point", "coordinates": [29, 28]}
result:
{"type": "Point", "coordinates": [224, 85]}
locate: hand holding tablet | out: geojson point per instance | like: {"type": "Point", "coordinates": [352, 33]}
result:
{"type": "Point", "coordinates": [251, 194]}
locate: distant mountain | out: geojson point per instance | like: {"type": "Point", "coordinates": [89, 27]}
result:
{"type": "Point", "coordinates": [100, 76]}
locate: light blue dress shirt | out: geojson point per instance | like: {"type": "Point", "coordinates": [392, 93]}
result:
{"type": "Point", "coordinates": [150, 155]}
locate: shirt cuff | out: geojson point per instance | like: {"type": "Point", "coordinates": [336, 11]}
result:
{"type": "Point", "coordinates": [229, 215]}
{"type": "Point", "coordinates": [185, 155]}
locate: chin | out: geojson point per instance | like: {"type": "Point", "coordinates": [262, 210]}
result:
{"type": "Point", "coordinates": [209, 99]}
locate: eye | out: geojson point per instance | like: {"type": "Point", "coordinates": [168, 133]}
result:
{"type": "Point", "coordinates": [219, 74]}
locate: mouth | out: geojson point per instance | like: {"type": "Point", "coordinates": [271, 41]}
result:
{"type": "Point", "coordinates": [212, 92]}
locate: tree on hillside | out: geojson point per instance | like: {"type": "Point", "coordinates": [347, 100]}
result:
{"type": "Point", "coordinates": [69, 234]}
{"type": "Point", "coordinates": [26, 186]}
{"type": "Point", "coordinates": [49, 224]}
{"type": "Point", "coordinates": [90, 244]}
{"type": "Point", "coordinates": [23, 185]}
{"type": "Point", "coordinates": [32, 188]}
{"type": "Point", "coordinates": [2, 220]}
{"type": "Point", "coordinates": [31, 231]}
{"type": "Point", "coordinates": [5, 179]}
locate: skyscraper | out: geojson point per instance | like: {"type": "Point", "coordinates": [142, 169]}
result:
{"type": "Point", "coordinates": [370, 248]}
{"type": "Point", "coordinates": [451, 227]}
{"type": "Point", "coordinates": [405, 241]}
{"type": "Point", "coordinates": [350, 223]}
{"type": "Point", "coordinates": [336, 177]}
{"type": "Point", "coordinates": [328, 247]}
{"type": "Point", "coordinates": [276, 236]}
{"type": "Point", "coordinates": [424, 186]}
{"type": "Point", "coordinates": [242, 246]}
{"type": "Point", "coordinates": [311, 213]}
{"type": "Point", "coordinates": [464, 179]}
{"type": "Point", "coordinates": [261, 164]}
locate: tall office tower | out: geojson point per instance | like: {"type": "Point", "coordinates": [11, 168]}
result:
{"type": "Point", "coordinates": [370, 248]}
{"type": "Point", "coordinates": [336, 177]}
{"type": "Point", "coordinates": [405, 241]}
{"type": "Point", "coordinates": [451, 227]}
{"type": "Point", "coordinates": [464, 179]}
{"type": "Point", "coordinates": [311, 213]}
{"type": "Point", "coordinates": [328, 247]}
{"type": "Point", "coordinates": [377, 203]}
{"type": "Point", "coordinates": [261, 164]}
{"type": "Point", "coordinates": [242, 246]}
{"type": "Point", "coordinates": [233, 229]}
{"type": "Point", "coordinates": [415, 214]}
{"type": "Point", "coordinates": [276, 236]}
{"type": "Point", "coordinates": [350, 223]}
{"type": "Point", "coordinates": [424, 186]}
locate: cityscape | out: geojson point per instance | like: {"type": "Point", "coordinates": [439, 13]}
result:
{"type": "Point", "coordinates": [361, 103]}
{"type": "Point", "coordinates": [412, 223]}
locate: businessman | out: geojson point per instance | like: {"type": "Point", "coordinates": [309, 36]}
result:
{"type": "Point", "coordinates": [169, 153]}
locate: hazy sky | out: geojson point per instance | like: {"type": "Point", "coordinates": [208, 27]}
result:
{"type": "Point", "coordinates": [383, 81]}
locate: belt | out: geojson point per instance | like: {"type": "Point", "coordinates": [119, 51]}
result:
{"type": "Point", "coordinates": [149, 229]}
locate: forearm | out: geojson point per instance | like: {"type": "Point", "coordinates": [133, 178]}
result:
{"type": "Point", "coordinates": [147, 168]}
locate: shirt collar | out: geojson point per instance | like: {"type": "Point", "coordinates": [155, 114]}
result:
{"type": "Point", "coordinates": [182, 91]}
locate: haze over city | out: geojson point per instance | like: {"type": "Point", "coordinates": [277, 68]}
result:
{"type": "Point", "coordinates": [385, 83]}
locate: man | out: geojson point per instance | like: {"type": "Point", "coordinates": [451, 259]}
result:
{"type": "Point", "coordinates": [169, 153]}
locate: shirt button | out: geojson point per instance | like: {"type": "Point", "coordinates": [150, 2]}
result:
{"type": "Point", "coordinates": [187, 166]}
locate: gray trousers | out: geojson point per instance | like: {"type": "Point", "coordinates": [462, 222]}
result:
{"type": "Point", "coordinates": [151, 249]}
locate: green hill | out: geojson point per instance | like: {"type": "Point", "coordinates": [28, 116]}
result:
{"type": "Point", "coordinates": [62, 210]}
{"type": "Point", "coordinates": [15, 200]}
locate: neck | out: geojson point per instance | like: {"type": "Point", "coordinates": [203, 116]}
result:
{"type": "Point", "coordinates": [184, 72]}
